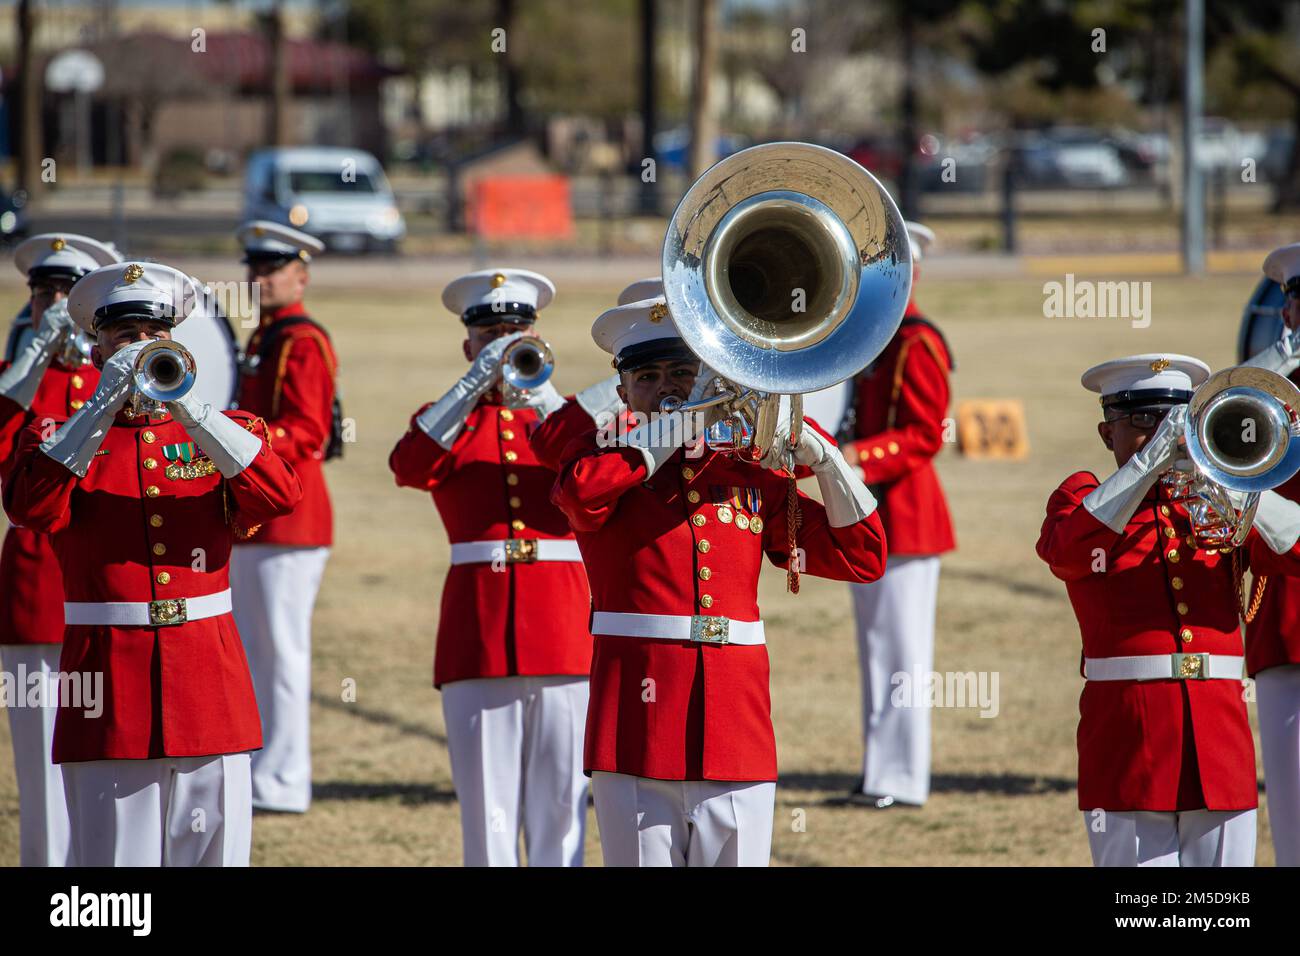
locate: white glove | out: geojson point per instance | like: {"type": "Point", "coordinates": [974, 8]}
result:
{"type": "Point", "coordinates": [443, 420]}
{"type": "Point", "coordinates": [845, 497]}
{"type": "Point", "coordinates": [230, 445]}
{"type": "Point", "coordinates": [21, 380]}
{"type": "Point", "coordinates": [1114, 500]}
{"type": "Point", "coordinates": [1283, 356]}
{"type": "Point", "coordinates": [1278, 521]}
{"type": "Point", "coordinates": [660, 437]}
{"type": "Point", "coordinates": [601, 397]}
{"type": "Point", "coordinates": [74, 445]}
{"type": "Point", "coordinates": [543, 400]}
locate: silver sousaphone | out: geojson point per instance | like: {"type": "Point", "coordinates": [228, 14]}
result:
{"type": "Point", "coordinates": [787, 269]}
{"type": "Point", "coordinates": [1241, 431]}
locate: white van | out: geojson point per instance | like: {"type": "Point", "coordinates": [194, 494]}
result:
{"type": "Point", "coordinates": [339, 195]}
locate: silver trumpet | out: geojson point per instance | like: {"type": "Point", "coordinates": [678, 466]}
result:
{"type": "Point", "coordinates": [75, 350]}
{"type": "Point", "coordinates": [527, 363]}
{"type": "Point", "coordinates": [164, 372]}
{"type": "Point", "coordinates": [1242, 425]}
{"type": "Point", "coordinates": [787, 269]}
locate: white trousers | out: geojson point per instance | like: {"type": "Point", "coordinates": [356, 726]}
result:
{"type": "Point", "coordinates": [1277, 693]}
{"type": "Point", "coordinates": [1190, 838]}
{"type": "Point", "coordinates": [274, 589]}
{"type": "Point", "coordinates": [42, 811]}
{"type": "Point", "coordinates": [895, 625]}
{"type": "Point", "coordinates": [173, 811]}
{"type": "Point", "coordinates": [645, 822]}
{"type": "Point", "coordinates": [516, 762]}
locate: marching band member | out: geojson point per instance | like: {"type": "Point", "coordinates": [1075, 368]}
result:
{"type": "Point", "coordinates": [679, 740]}
{"type": "Point", "coordinates": [142, 509]}
{"type": "Point", "coordinates": [899, 404]}
{"type": "Point", "coordinates": [288, 379]}
{"type": "Point", "coordinates": [513, 646]}
{"type": "Point", "coordinates": [1273, 636]}
{"type": "Point", "coordinates": [1166, 760]}
{"type": "Point", "coordinates": [596, 405]}
{"type": "Point", "coordinates": [45, 380]}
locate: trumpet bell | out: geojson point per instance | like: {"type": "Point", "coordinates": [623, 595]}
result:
{"type": "Point", "coordinates": [164, 371]}
{"type": "Point", "coordinates": [1241, 429]}
{"type": "Point", "coordinates": [527, 363]}
{"type": "Point", "coordinates": [786, 267]}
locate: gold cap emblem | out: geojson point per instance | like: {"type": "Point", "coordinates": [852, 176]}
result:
{"type": "Point", "coordinates": [57, 245]}
{"type": "Point", "coordinates": [259, 231]}
{"type": "Point", "coordinates": [657, 312]}
{"type": "Point", "coordinates": [133, 272]}
{"type": "Point", "coordinates": [498, 280]}
{"type": "Point", "coordinates": [1159, 365]}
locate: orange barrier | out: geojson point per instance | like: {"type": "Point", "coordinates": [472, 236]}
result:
{"type": "Point", "coordinates": [510, 207]}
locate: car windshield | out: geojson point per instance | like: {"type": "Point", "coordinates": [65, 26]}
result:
{"type": "Point", "coordinates": [330, 181]}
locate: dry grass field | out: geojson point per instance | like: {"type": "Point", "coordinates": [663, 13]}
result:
{"type": "Point", "coordinates": [1003, 787]}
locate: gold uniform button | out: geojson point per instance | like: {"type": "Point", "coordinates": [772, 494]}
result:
{"type": "Point", "coordinates": [698, 520]}
{"type": "Point", "coordinates": [693, 496]}
{"type": "Point", "coordinates": [512, 479]}
{"type": "Point", "coordinates": [149, 437]}
{"type": "Point", "coordinates": [78, 381]}
{"type": "Point", "coordinates": [705, 574]}
{"type": "Point", "coordinates": [1177, 583]}
{"type": "Point", "coordinates": [75, 404]}
{"type": "Point", "coordinates": [1164, 510]}
{"type": "Point", "coordinates": [863, 455]}
{"type": "Point", "coordinates": [163, 578]}
{"type": "Point", "coordinates": [706, 600]}
{"type": "Point", "coordinates": [878, 452]}
{"type": "Point", "coordinates": [724, 515]}
{"type": "Point", "coordinates": [1186, 635]}
{"type": "Point", "coordinates": [742, 522]}
{"type": "Point", "coordinates": [507, 415]}
{"type": "Point", "coordinates": [1173, 555]}
{"type": "Point", "coordinates": [688, 472]}
{"type": "Point", "coordinates": [279, 433]}
{"type": "Point", "coordinates": [1182, 608]}
{"type": "Point", "coordinates": [511, 456]}
{"type": "Point", "coordinates": [703, 546]}
{"type": "Point", "coordinates": [160, 548]}
{"type": "Point", "coordinates": [515, 501]}
{"type": "Point", "coordinates": [507, 434]}
{"type": "Point", "coordinates": [1170, 533]}
{"type": "Point", "coordinates": [151, 463]}
{"type": "Point", "coordinates": [517, 525]}
{"type": "Point", "coordinates": [155, 521]}
{"type": "Point", "coordinates": [893, 448]}
{"type": "Point", "coordinates": [152, 491]}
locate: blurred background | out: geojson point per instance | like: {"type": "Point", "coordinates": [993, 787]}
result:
{"type": "Point", "coordinates": [1013, 126]}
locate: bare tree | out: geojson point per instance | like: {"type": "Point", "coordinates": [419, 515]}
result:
{"type": "Point", "coordinates": [704, 118]}
{"type": "Point", "coordinates": [29, 80]}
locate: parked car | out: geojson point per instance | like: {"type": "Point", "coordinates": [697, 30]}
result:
{"type": "Point", "coordinates": [339, 195]}
{"type": "Point", "coordinates": [1069, 157]}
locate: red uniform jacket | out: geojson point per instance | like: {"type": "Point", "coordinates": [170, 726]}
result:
{"type": "Point", "coordinates": [562, 426]}
{"type": "Point", "coordinates": [293, 390]}
{"type": "Point", "coordinates": [526, 619]}
{"type": "Point", "coordinates": [662, 547]}
{"type": "Point", "coordinates": [31, 585]}
{"type": "Point", "coordinates": [128, 532]}
{"type": "Point", "coordinates": [901, 403]}
{"type": "Point", "coordinates": [1273, 637]}
{"type": "Point", "coordinates": [1159, 745]}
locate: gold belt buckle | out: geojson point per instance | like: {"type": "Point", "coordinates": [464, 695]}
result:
{"type": "Point", "coordinates": [710, 630]}
{"type": "Point", "coordinates": [168, 611]}
{"type": "Point", "coordinates": [1192, 666]}
{"type": "Point", "coordinates": [521, 550]}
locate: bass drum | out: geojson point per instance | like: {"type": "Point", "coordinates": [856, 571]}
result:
{"type": "Point", "coordinates": [1261, 320]}
{"type": "Point", "coordinates": [211, 340]}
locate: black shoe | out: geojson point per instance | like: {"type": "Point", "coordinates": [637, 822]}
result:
{"type": "Point", "coordinates": [860, 798]}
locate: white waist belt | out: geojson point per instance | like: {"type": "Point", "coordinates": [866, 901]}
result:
{"type": "Point", "coordinates": [678, 627]}
{"type": "Point", "coordinates": [1164, 667]}
{"type": "Point", "coordinates": [515, 551]}
{"type": "Point", "coordinates": [147, 613]}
